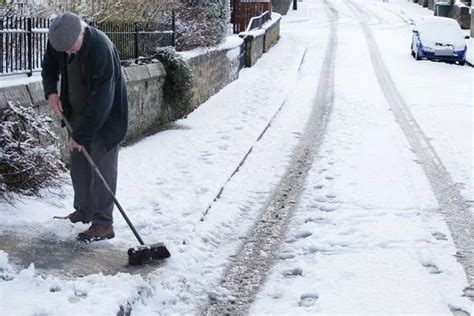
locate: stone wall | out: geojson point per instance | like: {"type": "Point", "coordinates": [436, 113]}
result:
{"type": "Point", "coordinates": [145, 94]}
{"type": "Point", "coordinates": [423, 3]}
{"type": "Point", "coordinates": [272, 33]}
{"type": "Point", "coordinates": [431, 4]}
{"type": "Point", "coordinates": [281, 6]}
{"type": "Point", "coordinates": [462, 14]}
{"type": "Point", "coordinates": [472, 25]}
{"type": "Point", "coordinates": [254, 47]}
{"type": "Point", "coordinates": [213, 69]}
{"type": "Point", "coordinates": [260, 41]}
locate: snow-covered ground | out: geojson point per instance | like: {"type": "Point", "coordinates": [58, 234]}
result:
{"type": "Point", "coordinates": [366, 237]}
{"type": "Point", "coordinates": [439, 95]}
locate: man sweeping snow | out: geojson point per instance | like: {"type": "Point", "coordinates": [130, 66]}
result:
{"type": "Point", "coordinates": [93, 98]}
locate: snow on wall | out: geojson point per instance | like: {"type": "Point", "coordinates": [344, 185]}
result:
{"type": "Point", "coordinates": [261, 40]}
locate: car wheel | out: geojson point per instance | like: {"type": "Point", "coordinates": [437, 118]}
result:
{"type": "Point", "coordinates": [461, 63]}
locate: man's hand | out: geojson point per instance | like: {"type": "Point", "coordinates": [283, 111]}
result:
{"type": "Point", "coordinates": [55, 104]}
{"type": "Point", "coordinates": [73, 145]}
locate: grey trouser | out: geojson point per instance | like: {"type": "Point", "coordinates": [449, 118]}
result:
{"type": "Point", "coordinates": [91, 197]}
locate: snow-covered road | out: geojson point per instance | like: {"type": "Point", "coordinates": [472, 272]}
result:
{"type": "Point", "coordinates": [368, 239]}
{"type": "Point", "coordinates": [365, 235]}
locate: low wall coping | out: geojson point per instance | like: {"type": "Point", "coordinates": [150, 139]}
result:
{"type": "Point", "coordinates": [276, 17]}
{"type": "Point", "coordinates": [230, 42]}
{"type": "Point", "coordinates": [31, 89]}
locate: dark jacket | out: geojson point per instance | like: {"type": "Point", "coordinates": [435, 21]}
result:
{"type": "Point", "coordinates": [106, 111]}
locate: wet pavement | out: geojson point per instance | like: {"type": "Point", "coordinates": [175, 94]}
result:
{"type": "Point", "coordinates": [68, 257]}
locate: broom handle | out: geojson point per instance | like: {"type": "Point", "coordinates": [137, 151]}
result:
{"type": "Point", "coordinates": [99, 174]}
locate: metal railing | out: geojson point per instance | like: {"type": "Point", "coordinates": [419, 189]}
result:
{"type": "Point", "coordinates": [22, 44]}
{"type": "Point", "coordinates": [23, 41]}
{"type": "Point", "coordinates": [257, 21]}
{"type": "Point", "coordinates": [134, 40]}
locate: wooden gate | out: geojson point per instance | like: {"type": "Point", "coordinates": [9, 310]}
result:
{"type": "Point", "coordinates": [244, 10]}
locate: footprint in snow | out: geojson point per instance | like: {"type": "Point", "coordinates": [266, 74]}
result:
{"type": "Point", "coordinates": [329, 177]}
{"type": "Point", "coordinates": [313, 206]}
{"type": "Point", "coordinates": [78, 295]}
{"type": "Point", "coordinates": [315, 220]}
{"type": "Point", "coordinates": [320, 249]}
{"type": "Point", "coordinates": [328, 207]}
{"type": "Point", "coordinates": [205, 154]}
{"type": "Point", "coordinates": [308, 299]}
{"type": "Point", "coordinates": [201, 190]}
{"type": "Point", "coordinates": [303, 235]}
{"type": "Point", "coordinates": [331, 195]}
{"type": "Point", "coordinates": [286, 256]}
{"type": "Point", "coordinates": [318, 186]}
{"type": "Point", "coordinates": [457, 311]}
{"type": "Point", "coordinates": [55, 288]}
{"type": "Point", "coordinates": [293, 272]}
{"type": "Point", "coordinates": [320, 199]}
{"type": "Point", "coordinates": [348, 232]}
{"type": "Point", "coordinates": [440, 236]}
{"type": "Point", "coordinates": [432, 268]}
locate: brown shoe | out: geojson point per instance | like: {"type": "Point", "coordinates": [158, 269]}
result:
{"type": "Point", "coordinates": [76, 217]}
{"type": "Point", "coordinates": [97, 232]}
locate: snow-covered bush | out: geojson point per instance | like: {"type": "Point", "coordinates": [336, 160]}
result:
{"type": "Point", "coordinates": [200, 22]}
{"type": "Point", "coordinates": [177, 90]}
{"type": "Point", "coordinates": [26, 163]}
{"type": "Point", "coordinates": [97, 10]}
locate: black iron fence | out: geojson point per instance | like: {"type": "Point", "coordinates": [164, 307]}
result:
{"type": "Point", "coordinates": [23, 41]}
{"type": "Point", "coordinates": [135, 40]}
{"type": "Point", "coordinates": [22, 44]}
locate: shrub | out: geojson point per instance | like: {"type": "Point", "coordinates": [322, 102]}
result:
{"type": "Point", "coordinates": [177, 90]}
{"type": "Point", "coordinates": [200, 23]}
{"type": "Point", "coordinates": [97, 10]}
{"type": "Point", "coordinates": [26, 163]}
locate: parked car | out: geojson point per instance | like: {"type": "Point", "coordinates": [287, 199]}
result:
{"type": "Point", "coordinates": [439, 38]}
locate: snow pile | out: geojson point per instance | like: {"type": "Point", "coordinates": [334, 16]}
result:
{"type": "Point", "coordinates": [48, 295]}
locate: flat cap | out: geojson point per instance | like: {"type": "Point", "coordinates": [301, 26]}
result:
{"type": "Point", "coordinates": [64, 31]}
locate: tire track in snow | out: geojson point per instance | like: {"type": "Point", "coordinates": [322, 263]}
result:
{"type": "Point", "coordinates": [247, 273]}
{"type": "Point", "coordinates": [452, 205]}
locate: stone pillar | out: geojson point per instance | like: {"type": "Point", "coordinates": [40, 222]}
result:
{"type": "Point", "coordinates": [471, 10]}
